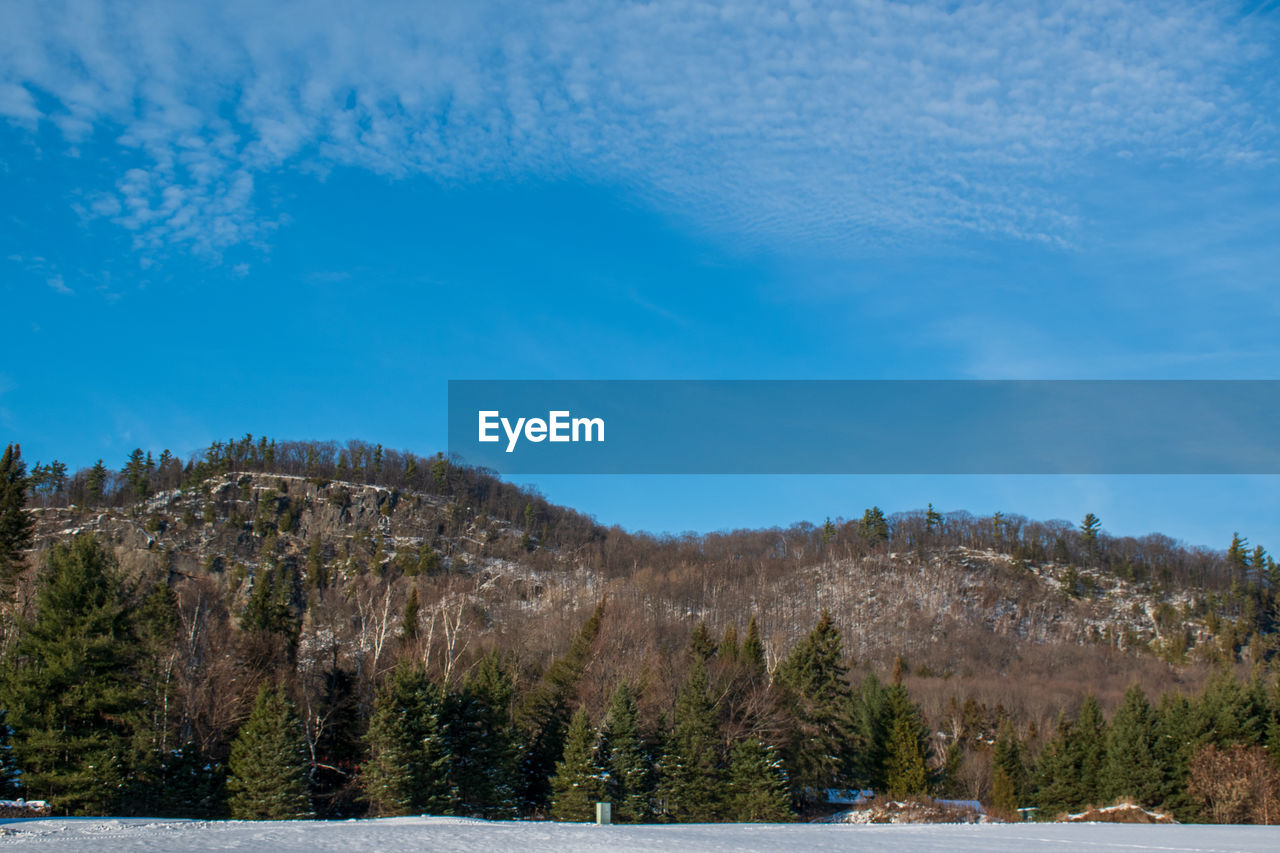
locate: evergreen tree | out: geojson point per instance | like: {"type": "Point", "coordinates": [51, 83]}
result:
{"type": "Point", "coordinates": [729, 648]}
{"type": "Point", "coordinates": [1056, 776]}
{"type": "Point", "coordinates": [874, 527]}
{"type": "Point", "coordinates": [269, 762]}
{"type": "Point", "coordinates": [752, 652]}
{"type": "Point", "coordinates": [409, 622]}
{"type": "Point", "coordinates": [135, 475]}
{"type": "Point", "coordinates": [482, 740]}
{"type": "Point", "coordinates": [932, 519]}
{"type": "Point", "coordinates": [1176, 738]}
{"type": "Point", "coordinates": [96, 482]}
{"type": "Point", "coordinates": [700, 642]}
{"type": "Point", "coordinates": [544, 716]}
{"type": "Point", "coordinates": [15, 522]}
{"type": "Point", "coordinates": [1130, 769]}
{"type": "Point", "coordinates": [873, 723]}
{"type": "Point", "coordinates": [1008, 771]}
{"type": "Point", "coordinates": [1238, 554]}
{"type": "Point", "coordinates": [1089, 752]}
{"type": "Point", "coordinates": [758, 791]}
{"type": "Point", "coordinates": [821, 699]}
{"type": "Point", "coordinates": [1089, 533]}
{"type": "Point", "coordinates": [630, 775]}
{"type": "Point", "coordinates": [71, 692]}
{"type": "Point", "coordinates": [408, 767]}
{"type": "Point", "coordinates": [905, 772]}
{"type": "Point", "coordinates": [577, 784]}
{"type": "Point", "coordinates": [690, 784]}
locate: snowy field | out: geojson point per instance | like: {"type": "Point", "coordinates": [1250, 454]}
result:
{"type": "Point", "coordinates": [451, 834]}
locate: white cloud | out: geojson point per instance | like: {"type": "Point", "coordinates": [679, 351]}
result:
{"type": "Point", "coordinates": [815, 122]}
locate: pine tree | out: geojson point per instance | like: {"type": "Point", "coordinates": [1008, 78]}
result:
{"type": "Point", "coordinates": [630, 775]}
{"type": "Point", "coordinates": [135, 475]}
{"type": "Point", "coordinates": [1238, 553]}
{"type": "Point", "coordinates": [1089, 533]}
{"type": "Point", "coordinates": [269, 762]}
{"type": "Point", "coordinates": [821, 698]}
{"type": "Point", "coordinates": [577, 784]}
{"type": "Point", "coordinates": [690, 783]}
{"type": "Point", "coordinates": [71, 692]}
{"type": "Point", "coordinates": [96, 482]}
{"type": "Point", "coordinates": [700, 642]}
{"type": "Point", "coordinates": [874, 527]}
{"type": "Point", "coordinates": [1130, 769]}
{"type": "Point", "coordinates": [15, 522]}
{"type": "Point", "coordinates": [1008, 771]}
{"type": "Point", "coordinates": [408, 767]}
{"type": "Point", "coordinates": [544, 716]}
{"type": "Point", "coordinates": [905, 772]}
{"type": "Point", "coordinates": [1056, 776]}
{"type": "Point", "coordinates": [932, 519]}
{"type": "Point", "coordinates": [752, 652]}
{"type": "Point", "coordinates": [873, 723]}
{"type": "Point", "coordinates": [409, 622]}
{"type": "Point", "coordinates": [758, 791]}
{"type": "Point", "coordinates": [1089, 752]}
{"type": "Point", "coordinates": [482, 740]}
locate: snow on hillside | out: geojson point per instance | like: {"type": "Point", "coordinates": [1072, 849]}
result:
{"type": "Point", "coordinates": [453, 835]}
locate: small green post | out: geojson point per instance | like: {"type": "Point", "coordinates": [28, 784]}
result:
{"type": "Point", "coordinates": [604, 814]}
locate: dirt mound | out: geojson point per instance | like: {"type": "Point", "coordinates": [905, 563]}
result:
{"type": "Point", "coordinates": [910, 812]}
{"type": "Point", "coordinates": [1119, 813]}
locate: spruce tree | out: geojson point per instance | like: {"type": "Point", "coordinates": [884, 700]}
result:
{"type": "Point", "coordinates": [577, 784]}
{"type": "Point", "coordinates": [70, 691]}
{"type": "Point", "coordinates": [269, 762]}
{"type": "Point", "coordinates": [1130, 770]}
{"type": "Point", "coordinates": [482, 740]}
{"type": "Point", "coordinates": [758, 791]}
{"type": "Point", "coordinates": [96, 482]}
{"type": "Point", "coordinates": [1089, 752]}
{"type": "Point", "coordinates": [821, 699]}
{"type": "Point", "coordinates": [1056, 776]}
{"type": "Point", "coordinates": [873, 526]}
{"type": "Point", "coordinates": [873, 723]}
{"type": "Point", "coordinates": [905, 773]}
{"type": "Point", "coordinates": [690, 783]}
{"type": "Point", "coordinates": [630, 775]}
{"type": "Point", "coordinates": [752, 652]}
{"type": "Point", "coordinates": [15, 522]}
{"type": "Point", "coordinates": [1008, 771]}
{"type": "Point", "coordinates": [408, 767]}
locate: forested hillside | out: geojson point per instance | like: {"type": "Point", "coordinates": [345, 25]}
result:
{"type": "Point", "coordinates": [286, 628]}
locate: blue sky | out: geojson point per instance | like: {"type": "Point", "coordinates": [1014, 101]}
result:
{"type": "Point", "coordinates": [303, 219]}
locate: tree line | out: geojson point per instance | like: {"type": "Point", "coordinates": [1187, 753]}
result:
{"type": "Point", "coordinates": [87, 697]}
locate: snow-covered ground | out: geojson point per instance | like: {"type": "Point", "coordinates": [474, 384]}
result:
{"type": "Point", "coordinates": [450, 834]}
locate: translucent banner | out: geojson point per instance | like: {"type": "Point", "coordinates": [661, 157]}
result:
{"type": "Point", "coordinates": [867, 427]}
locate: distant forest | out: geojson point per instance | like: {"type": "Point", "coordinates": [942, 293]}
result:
{"type": "Point", "coordinates": [312, 665]}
